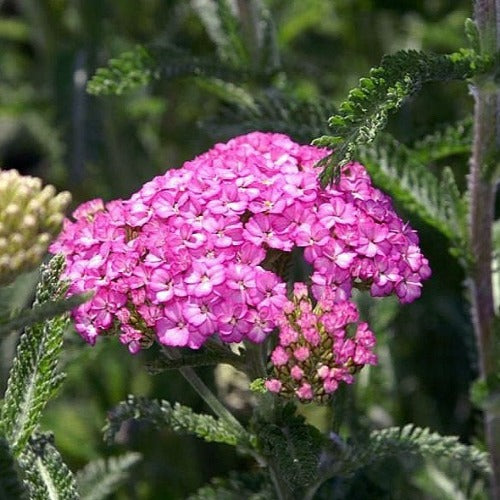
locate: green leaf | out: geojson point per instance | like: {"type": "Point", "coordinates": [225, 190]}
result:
{"type": "Point", "coordinates": [127, 72]}
{"type": "Point", "coordinates": [434, 483]}
{"type": "Point", "coordinates": [224, 29]}
{"type": "Point", "coordinates": [227, 91]}
{"type": "Point", "coordinates": [479, 392]}
{"type": "Point", "coordinates": [271, 111]}
{"type": "Point", "coordinates": [411, 440]}
{"type": "Point", "coordinates": [495, 276]}
{"type": "Point", "coordinates": [139, 67]}
{"type": "Point", "coordinates": [47, 477]}
{"type": "Point", "coordinates": [293, 447]}
{"type": "Point", "coordinates": [400, 75]}
{"type": "Point", "coordinates": [100, 478]}
{"type": "Point", "coordinates": [33, 378]}
{"type": "Point", "coordinates": [179, 418]}
{"type": "Point", "coordinates": [14, 30]}
{"type": "Point", "coordinates": [451, 140]}
{"type": "Point", "coordinates": [11, 487]}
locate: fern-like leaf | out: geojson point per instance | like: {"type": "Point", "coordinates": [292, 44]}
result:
{"type": "Point", "coordinates": [394, 168]}
{"type": "Point", "coordinates": [274, 112]}
{"type": "Point", "coordinates": [224, 29]}
{"type": "Point", "coordinates": [47, 477]}
{"type": "Point", "coordinates": [132, 69]}
{"type": "Point", "coordinates": [139, 67]}
{"type": "Point", "coordinates": [411, 440]}
{"type": "Point", "coordinates": [100, 478]}
{"type": "Point", "coordinates": [11, 487]}
{"type": "Point", "coordinates": [178, 417]}
{"type": "Point", "coordinates": [451, 140]}
{"type": "Point", "coordinates": [33, 378]}
{"type": "Point", "coordinates": [227, 91]}
{"type": "Point", "coordinates": [365, 111]}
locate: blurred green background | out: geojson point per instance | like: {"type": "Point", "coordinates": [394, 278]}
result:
{"type": "Point", "coordinates": [108, 146]}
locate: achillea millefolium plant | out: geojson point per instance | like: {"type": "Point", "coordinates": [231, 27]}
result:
{"type": "Point", "coordinates": [260, 254]}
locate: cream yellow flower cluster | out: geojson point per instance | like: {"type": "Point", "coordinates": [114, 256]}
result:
{"type": "Point", "coordinates": [31, 215]}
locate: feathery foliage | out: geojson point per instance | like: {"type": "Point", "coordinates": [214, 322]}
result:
{"type": "Point", "coordinates": [233, 60]}
{"type": "Point", "coordinates": [272, 111]}
{"type": "Point", "coordinates": [244, 38]}
{"type": "Point", "coordinates": [454, 139]}
{"type": "Point", "coordinates": [292, 445]}
{"type": "Point", "coordinates": [140, 66]}
{"type": "Point", "coordinates": [434, 483]}
{"type": "Point", "coordinates": [11, 487]}
{"type": "Point", "coordinates": [411, 440]}
{"type": "Point", "coordinates": [365, 111]}
{"type": "Point", "coordinates": [224, 29]}
{"type": "Point", "coordinates": [397, 170]}
{"type": "Point", "coordinates": [227, 92]}
{"type": "Point", "coordinates": [235, 487]}
{"type": "Point", "coordinates": [98, 479]}
{"type": "Point", "coordinates": [47, 477]}
{"type": "Point", "coordinates": [130, 70]}
{"type": "Point", "coordinates": [178, 417]}
{"type": "Point", "coordinates": [33, 378]}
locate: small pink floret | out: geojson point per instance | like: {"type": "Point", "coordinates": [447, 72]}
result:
{"type": "Point", "coordinates": [273, 385]}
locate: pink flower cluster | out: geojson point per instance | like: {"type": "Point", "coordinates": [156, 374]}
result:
{"type": "Point", "coordinates": [318, 347]}
{"type": "Point", "coordinates": [189, 255]}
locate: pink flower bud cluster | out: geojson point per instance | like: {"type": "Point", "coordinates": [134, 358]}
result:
{"type": "Point", "coordinates": [318, 347]}
{"type": "Point", "coordinates": [188, 255]}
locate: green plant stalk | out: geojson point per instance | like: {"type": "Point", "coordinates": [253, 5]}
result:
{"type": "Point", "coordinates": [482, 196]}
{"type": "Point", "coordinates": [205, 393]}
{"type": "Point", "coordinates": [222, 412]}
{"type": "Point", "coordinates": [209, 397]}
{"type": "Point", "coordinates": [256, 358]}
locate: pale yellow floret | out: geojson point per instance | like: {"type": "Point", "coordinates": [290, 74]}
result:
{"type": "Point", "coordinates": [31, 215]}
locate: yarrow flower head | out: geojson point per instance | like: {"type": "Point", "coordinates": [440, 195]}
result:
{"type": "Point", "coordinates": [202, 251]}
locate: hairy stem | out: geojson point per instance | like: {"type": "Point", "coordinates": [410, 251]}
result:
{"type": "Point", "coordinates": [482, 187]}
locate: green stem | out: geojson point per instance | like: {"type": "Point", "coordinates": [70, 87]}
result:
{"type": "Point", "coordinates": [206, 394]}
{"type": "Point", "coordinates": [482, 187]}
{"type": "Point", "coordinates": [256, 357]}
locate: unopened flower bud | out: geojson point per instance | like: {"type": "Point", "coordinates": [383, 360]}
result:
{"type": "Point", "coordinates": [319, 362]}
{"type": "Point", "coordinates": [30, 216]}
{"type": "Point", "coordinates": [54, 221]}
{"type": "Point", "coordinates": [29, 221]}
